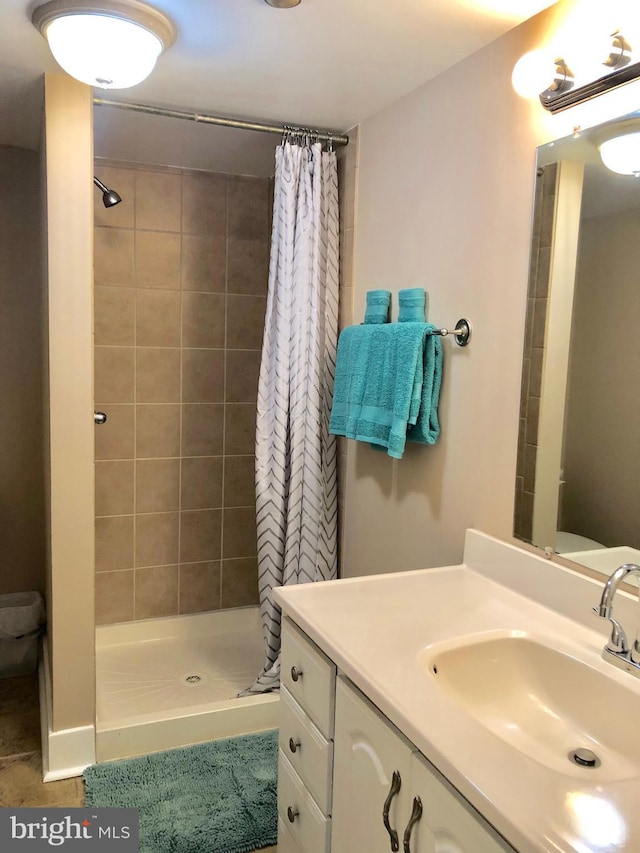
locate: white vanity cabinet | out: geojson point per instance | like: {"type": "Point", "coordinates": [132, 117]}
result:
{"type": "Point", "coordinates": [305, 755]}
{"type": "Point", "coordinates": [388, 797]}
{"type": "Point", "coordinates": [349, 781]}
{"type": "Point", "coordinates": [371, 778]}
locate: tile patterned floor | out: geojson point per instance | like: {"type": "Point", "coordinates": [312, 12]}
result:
{"type": "Point", "coordinates": [20, 753]}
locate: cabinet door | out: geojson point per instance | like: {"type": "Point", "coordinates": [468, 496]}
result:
{"type": "Point", "coordinates": [449, 824]}
{"type": "Point", "coordinates": [368, 750]}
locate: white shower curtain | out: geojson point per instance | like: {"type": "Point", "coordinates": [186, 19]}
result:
{"type": "Point", "coordinates": [296, 486]}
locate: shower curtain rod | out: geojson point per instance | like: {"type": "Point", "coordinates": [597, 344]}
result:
{"type": "Point", "coordinates": [324, 136]}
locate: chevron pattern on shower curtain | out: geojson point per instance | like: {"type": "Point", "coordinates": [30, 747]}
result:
{"type": "Point", "coordinates": [296, 478]}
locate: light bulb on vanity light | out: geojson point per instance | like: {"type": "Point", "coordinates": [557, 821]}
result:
{"type": "Point", "coordinates": [533, 72]}
{"type": "Point", "coordinates": [589, 56]}
{"type": "Point", "coordinates": [112, 44]}
{"type": "Point", "coordinates": [541, 72]}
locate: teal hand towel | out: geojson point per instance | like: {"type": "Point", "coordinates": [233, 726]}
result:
{"type": "Point", "coordinates": [378, 306]}
{"type": "Point", "coordinates": [378, 383]}
{"type": "Point", "coordinates": [426, 429]}
{"type": "Point", "coordinates": [412, 302]}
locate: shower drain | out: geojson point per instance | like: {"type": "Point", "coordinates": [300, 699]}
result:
{"type": "Point", "coordinates": [192, 679]}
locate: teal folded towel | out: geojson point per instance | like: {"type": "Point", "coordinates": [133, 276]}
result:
{"type": "Point", "coordinates": [379, 389]}
{"type": "Point", "coordinates": [378, 305]}
{"type": "Point", "coordinates": [426, 429]}
{"type": "Point", "coordinates": [412, 304]}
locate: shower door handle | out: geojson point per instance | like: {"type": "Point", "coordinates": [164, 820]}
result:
{"type": "Point", "coordinates": [99, 418]}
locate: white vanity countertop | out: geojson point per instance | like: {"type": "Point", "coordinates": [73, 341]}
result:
{"type": "Point", "coordinates": [377, 628]}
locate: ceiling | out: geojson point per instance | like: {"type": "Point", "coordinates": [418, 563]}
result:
{"type": "Point", "coordinates": [324, 64]}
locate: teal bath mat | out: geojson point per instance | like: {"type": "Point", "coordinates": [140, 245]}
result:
{"type": "Point", "coordinates": [217, 797]}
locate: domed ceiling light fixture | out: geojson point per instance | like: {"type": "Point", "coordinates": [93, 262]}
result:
{"type": "Point", "coordinates": [113, 44]}
{"type": "Point", "coordinates": [283, 4]}
{"type": "Point", "coordinates": [619, 147]}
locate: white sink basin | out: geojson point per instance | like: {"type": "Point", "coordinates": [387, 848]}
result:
{"type": "Point", "coordinates": [542, 702]}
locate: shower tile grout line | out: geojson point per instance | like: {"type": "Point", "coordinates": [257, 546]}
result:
{"type": "Point", "coordinates": [155, 346]}
{"type": "Point", "coordinates": [224, 388]}
{"type": "Point", "coordinates": [179, 555]}
{"type": "Point", "coordinates": [189, 563]}
{"type": "Point", "coordinates": [186, 289]}
{"type": "Point", "coordinates": [135, 395]}
{"type": "Point", "coordinates": [165, 459]}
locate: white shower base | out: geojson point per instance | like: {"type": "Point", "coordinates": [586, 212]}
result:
{"type": "Point", "coordinates": [164, 683]}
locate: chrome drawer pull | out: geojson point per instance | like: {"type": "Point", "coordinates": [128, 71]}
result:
{"type": "Point", "coordinates": [291, 814]}
{"type": "Point", "coordinates": [396, 782]}
{"type": "Point", "coordinates": [296, 673]}
{"type": "Point", "coordinates": [293, 744]}
{"type": "Point", "coordinates": [416, 814]}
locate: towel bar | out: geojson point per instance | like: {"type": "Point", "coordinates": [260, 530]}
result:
{"type": "Point", "coordinates": [461, 333]}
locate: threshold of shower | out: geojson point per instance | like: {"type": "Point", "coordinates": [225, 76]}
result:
{"type": "Point", "coordinates": [171, 682]}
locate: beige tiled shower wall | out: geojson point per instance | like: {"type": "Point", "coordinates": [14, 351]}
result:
{"type": "Point", "coordinates": [181, 270]}
{"type": "Point", "coordinates": [348, 187]}
{"type": "Point", "coordinates": [540, 259]}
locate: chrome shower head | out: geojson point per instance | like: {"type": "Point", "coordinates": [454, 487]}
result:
{"type": "Point", "coordinates": [109, 197]}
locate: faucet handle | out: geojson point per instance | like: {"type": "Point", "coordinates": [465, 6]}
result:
{"type": "Point", "coordinates": [618, 642]}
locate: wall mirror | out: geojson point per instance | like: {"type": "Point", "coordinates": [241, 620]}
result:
{"type": "Point", "coordinates": [578, 474]}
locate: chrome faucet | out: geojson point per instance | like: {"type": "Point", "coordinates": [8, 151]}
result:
{"type": "Point", "coordinates": [617, 650]}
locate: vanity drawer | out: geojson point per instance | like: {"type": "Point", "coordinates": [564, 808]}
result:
{"type": "Point", "coordinates": [309, 676]}
{"type": "Point", "coordinates": [310, 829]}
{"type": "Point", "coordinates": [313, 756]}
{"type": "Point", "coordinates": [286, 841]}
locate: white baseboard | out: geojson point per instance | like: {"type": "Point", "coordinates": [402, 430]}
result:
{"type": "Point", "coordinates": [68, 752]}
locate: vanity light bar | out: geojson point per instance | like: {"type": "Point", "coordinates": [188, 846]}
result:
{"type": "Point", "coordinates": [556, 102]}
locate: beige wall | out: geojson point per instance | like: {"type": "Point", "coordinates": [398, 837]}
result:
{"type": "Point", "coordinates": [181, 274]}
{"type": "Point", "coordinates": [445, 190]}
{"type": "Point", "coordinates": [22, 519]}
{"type": "Point", "coordinates": [69, 182]}
{"type": "Point", "coordinates": [601, 463]}
{"type": "Point", "coordinates": [348, 157]}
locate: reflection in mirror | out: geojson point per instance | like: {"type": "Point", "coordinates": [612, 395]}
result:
{"type": "Point", "coordinates": [578, 475]}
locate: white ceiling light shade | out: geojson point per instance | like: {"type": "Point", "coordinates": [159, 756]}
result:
{"type": "Point", "coordinates": [622, 154]}
{"type": "Point", "coordinates": [113, 44]}
{"type": "Point", "coordinates": [619, 147]}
